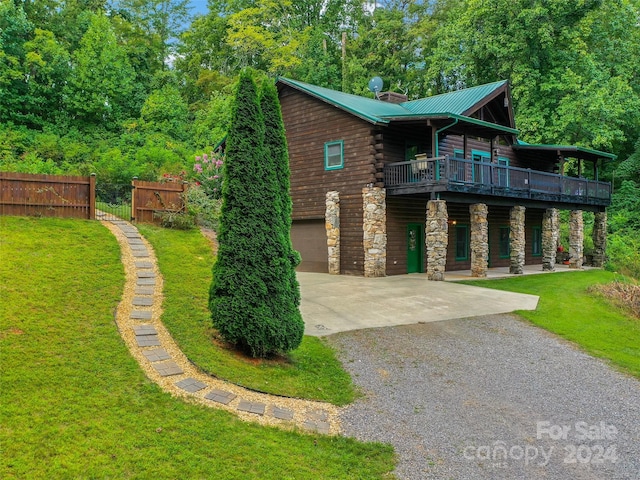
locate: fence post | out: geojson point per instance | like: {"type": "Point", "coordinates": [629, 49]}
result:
{"type": "Point", "coordinates": [92, 196]}
{"type": "Point", "coordinates": [133, 199]}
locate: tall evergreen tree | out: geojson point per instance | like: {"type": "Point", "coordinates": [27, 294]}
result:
{"type": "Point", "coordinates": [252, 301]}
{"type": "Point", "coordinates": [278, 158]}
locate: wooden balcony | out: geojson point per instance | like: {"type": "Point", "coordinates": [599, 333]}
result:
{"type": "Point", "coordinates": [444, 174]}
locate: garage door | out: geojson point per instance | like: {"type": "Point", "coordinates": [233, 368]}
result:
{"type": "Point", "coordinates": [310, 239]}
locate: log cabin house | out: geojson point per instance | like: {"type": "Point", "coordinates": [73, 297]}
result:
{"type": "Point", "coordinates": [388, 186]}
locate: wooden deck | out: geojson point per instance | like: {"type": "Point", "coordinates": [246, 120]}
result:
{"type": "Point", "coordinates": [444, 174]}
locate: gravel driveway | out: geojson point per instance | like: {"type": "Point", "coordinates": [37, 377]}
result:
{"type": "Point", "coordinates": [491, 398]}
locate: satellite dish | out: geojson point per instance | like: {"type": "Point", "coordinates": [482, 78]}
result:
{"type": "Point", "coordinates": [375, 85]}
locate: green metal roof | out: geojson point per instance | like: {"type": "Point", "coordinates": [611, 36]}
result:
{"type": "Point", "coordinates": [564, 148]}
{"type": "Point", "coordinates": [447, 105]}
{"type": "Point", "coordinates": [457, 102]}
{"type": "Point", "coordinates": [367, 108]}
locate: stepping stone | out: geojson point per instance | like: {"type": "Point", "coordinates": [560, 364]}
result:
{"type": "Point", "coordinates": [140, 253]}
{"type": "Point", "coordinates": [190, 385]}
{"type": "Point", "coordinates": [148, 340]}
{"type": "Point", "coordinates": [146, 281]}
{"type": "Point", "coordinates": [142, 302]}
{"type": "Point", "coordinates": [318, 415]}
{"type": "Point", "coordinates": [320, 427]}
{"type": "Point", "coordinates": [116, 222]}
{"type": "Point", "coordinates": [144, 291]}
{"type": "Point", "coordinates": [146, 274]}
{"type": "Point", "coordinates": [282, 413]}
{"type": "Point", "coordinates": [144, 265]}
{"type": "Point", "coordinates": [220, 396]}
{"type": "Point", "coordinates": [168, 368]}
{"type": "Point", "coordinates": [252, 407]}
{"type": "Point", "coordinates": [156, 355]}
{"type": "Point", "coordinates": [135, 241]}
{"type": "Point", "coordinates": [132, 234]}
{"type": "Point", "coordinates": [138, 248]}
{"type": "Point", "coordinates": [141, 315]}
{"type": "Point", "coordinates": [144, 330]}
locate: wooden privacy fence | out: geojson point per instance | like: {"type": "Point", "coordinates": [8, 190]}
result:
{"type": "Point", "coordinates": [150, 198]}
{"type": "Point", "coordinates": [75, 197]}
{"type": "Point", "coordinates": [47, 195]}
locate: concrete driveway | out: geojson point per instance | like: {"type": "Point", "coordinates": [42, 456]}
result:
{"type": "Point", "coordinates": [338, 303]}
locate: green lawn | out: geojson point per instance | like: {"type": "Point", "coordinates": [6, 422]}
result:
{"type": "Point", "coordinates": [567, 308]}
{"type": "Point", "coordinates": [185, 259]}
{"type": "Point", "coordinates": [75, 404]}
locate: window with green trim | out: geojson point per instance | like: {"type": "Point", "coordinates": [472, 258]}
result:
{"type": "Point", "coordinates": [536, 241]}
{"type": "Point", "coordinates": [462, 242]}
{"type": "Point", "coordinates": [504, 247]}
{"type": "Point", "coordinates": [334, 155]}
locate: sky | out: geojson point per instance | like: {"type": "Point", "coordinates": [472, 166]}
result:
{"type": "Point", "coordinates": [198, 6]}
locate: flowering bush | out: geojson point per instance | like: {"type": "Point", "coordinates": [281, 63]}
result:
{"type": "Point", "coordinates": [207, 172]}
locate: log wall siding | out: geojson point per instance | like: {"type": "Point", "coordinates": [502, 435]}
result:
{"type": "Point", "coordinates": [309, 124]}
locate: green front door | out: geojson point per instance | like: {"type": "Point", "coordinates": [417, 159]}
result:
{"type": "Point", "coordinates": [415, 242]}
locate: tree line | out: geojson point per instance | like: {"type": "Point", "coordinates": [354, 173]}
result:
{"type": "Point", "coordinates": [139, 87]}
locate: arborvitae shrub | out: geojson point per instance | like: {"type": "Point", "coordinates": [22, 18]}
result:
{"type": "Point", "coordinates": [253, 300]}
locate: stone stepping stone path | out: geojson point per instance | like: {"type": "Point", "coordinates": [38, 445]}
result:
{"type": "Point", "coordinates": [138, 320]}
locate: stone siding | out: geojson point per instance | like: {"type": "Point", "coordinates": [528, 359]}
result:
{"type": "Point", "coordinates": [479, 239]}
{"type": "Point", "coordinates": [517, 240]}
{"type": "Point", "coordinates": [332, 226]}
{"type": "Point", "coordinates": [374, 225]}
{"type": "Point", "coordinates": [576, 239]}
{"type": "Point", "coordinates": [550, 237]}
{"type": "Point", "coordinates": [436, 239]}
{"type": "Point", "coordinates": [599, 239]}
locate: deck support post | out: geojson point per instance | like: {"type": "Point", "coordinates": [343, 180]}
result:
{"type": "Point", "coordinates": [332, 226]}
{"type": "Point", "coordinates": [550, 236]}
{"type": "Point", "coordinates": [576, 239]}
{"type": "Point", "coordinates": [436, 239]}
{"type": "Point", "coordinates": [599, 239]}
{"type": "Point", "coordinates": [479, 239]}
{"type": "Point", "coordinates": [374, 225]}
{"type": "Point", "coordinates": [517, 240]}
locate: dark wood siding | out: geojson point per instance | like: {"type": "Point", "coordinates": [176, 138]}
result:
{"type": "Point", "coordinates": [401, 211]}
{"type": "Point", "coordinates": [309, 124]}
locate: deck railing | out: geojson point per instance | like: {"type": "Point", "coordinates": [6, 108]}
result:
{"type": "Point", "coordinates": [456, 174]}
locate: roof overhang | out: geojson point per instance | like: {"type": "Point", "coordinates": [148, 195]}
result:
{"type": "Point", "coordinates": [470, 125]}
{"type": "Point", "coordinates": [565, 151]}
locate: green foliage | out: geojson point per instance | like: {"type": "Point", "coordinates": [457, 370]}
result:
{"type": "Point", "coordinates": [176, 219]}
{"type": "Point", "coordinates": [312, 371]}
{"type": "Point", "coordinates": [165, 111]}
{"type": "Point", "coordinates": [100, 87]}
{"type": "Point", "coordinates": [251, 300]}
{"type": "Point", "coordinates": [63, 341]}
{"type": "Point", "coordinates": [204, 208]}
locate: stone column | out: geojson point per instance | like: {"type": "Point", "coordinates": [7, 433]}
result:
{"type": "Point", "coordinates": [576, 239]}
{"type": "Point", "coordinates": [436, 238]}
{"type": "Point", "coordinates": [332, 226]}
{"type": "Point", "coordinates": [479, 239]}
{"type": "Point", "coordinates": [599, 239]}
{"type": "Point", "coordinates": [517, 240]}
{"type": "Point", "coordinates": [374, 225]}
{"type": "Point", "coordinates": [550, 236]}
